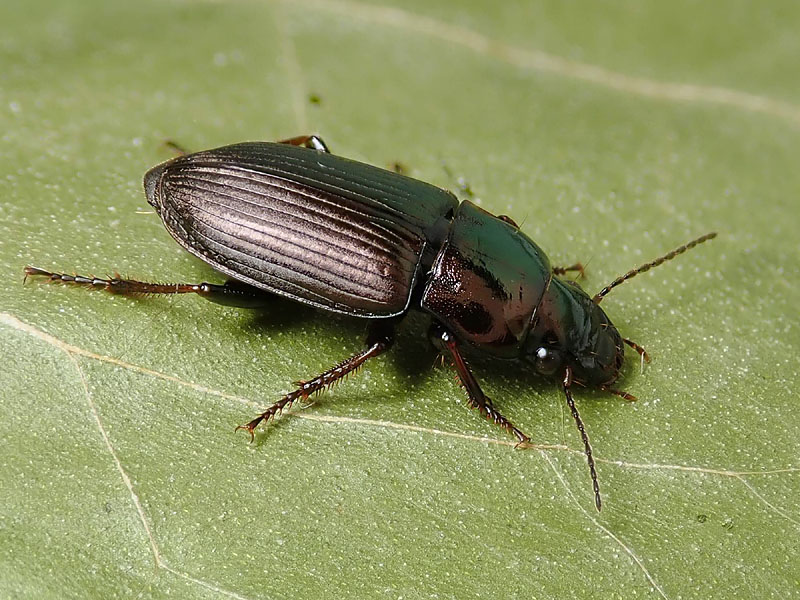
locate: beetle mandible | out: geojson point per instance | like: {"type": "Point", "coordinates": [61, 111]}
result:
{"type": "Point", "coordinates": [290, 218]}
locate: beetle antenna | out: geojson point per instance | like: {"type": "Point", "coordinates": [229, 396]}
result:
{"type": "Point", "coordinates": [647, 266]}
{"type": "Point", "coordinates": [584, 436]}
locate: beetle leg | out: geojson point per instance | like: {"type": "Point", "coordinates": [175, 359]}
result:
{"type": "Point", "coordinates": [584, 436]}
{"type": "Point", "coordinates": [642, 352]}
{"type": "Point", "coordinates": [399, 168]}
{"type": "Point", "coordinates": [620, 393]}
{"type": "Point", "coordinates": [176, 148]}
{"type": "Point", "coordinates": [308, 141]}
{"type": "Point", "coordinates": [465, 188]}
{"type": "Point", "coordinates": [477, 399]}
{"type": "Point", "coordinates": [231, 293]}
{"type": "Point", "coordinates": [576, 267]}
{"type": "Point", "coordinates": [508, 220]}
{"type": "Point", "coordinates": [379, 340]}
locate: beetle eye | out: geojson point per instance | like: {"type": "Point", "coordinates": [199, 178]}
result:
{"type": "Point", "coordinates": [547, 361]}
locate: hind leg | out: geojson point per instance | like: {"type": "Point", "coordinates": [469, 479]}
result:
{"type": "Point", "coordinates": [231, 293]}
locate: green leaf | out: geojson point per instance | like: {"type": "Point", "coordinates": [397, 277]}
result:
{"type": "Point", "coordinates": [611, 131]}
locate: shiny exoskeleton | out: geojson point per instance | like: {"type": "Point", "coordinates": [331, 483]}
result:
{"type": "Point", "coordinates": [290, 218]}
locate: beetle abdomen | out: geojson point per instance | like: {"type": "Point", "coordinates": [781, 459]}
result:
{"type": "Point", "coordinates": [285, 219]}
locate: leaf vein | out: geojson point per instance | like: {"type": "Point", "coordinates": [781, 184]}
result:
{"type": "Point", "coordinates": [537, 60]}
{"type": "Point", "coordinates": [629, 551]}
{"type": "Point", "coordinates": [15, 323]}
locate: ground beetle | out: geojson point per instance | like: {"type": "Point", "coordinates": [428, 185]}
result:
{"type": "Point", "coordinates": [291, 218]}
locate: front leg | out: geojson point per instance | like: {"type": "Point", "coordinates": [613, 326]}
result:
{"type": "Point", "coordinates": [445, 340]}
{"type": "Point", "coordinates": [579, 267]}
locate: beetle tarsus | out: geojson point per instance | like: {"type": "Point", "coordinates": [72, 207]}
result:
{"type": "Point", "coordinates": [642, 352]}
{"type": "Point", "coordinates": [493, 415]}
{"type": "Point", "coordinates": [33, 272]}
{"type": "Point", "coordinates": [88, 281]}
{"type": "Point", "coordinates": [231, 293]}
{"type": "Point", "coordinates": [250, 427]}
{"type": "Point", "coordinates": [620, 393]}
{"type": "Point", "coordinates": [576, 267]}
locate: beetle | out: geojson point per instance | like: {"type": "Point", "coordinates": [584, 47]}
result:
{"type": "Point", "coordinates": [293, 219]}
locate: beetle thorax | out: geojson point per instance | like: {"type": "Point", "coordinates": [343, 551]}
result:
{"type": "Point", "coordinates": [486, 282]}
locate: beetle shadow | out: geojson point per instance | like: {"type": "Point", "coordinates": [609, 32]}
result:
{"type": "Point", "coordinates": [411, 353]}
{"type": "Point", "coordinates": [281, 314]}
{"type": "Point", "coordinates": [413, 357]}
{"type": "Point", "coordinates": [510, 384]}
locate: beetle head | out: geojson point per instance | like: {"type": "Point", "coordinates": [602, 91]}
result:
{"type": "Point", "coordinates": [571, 330]}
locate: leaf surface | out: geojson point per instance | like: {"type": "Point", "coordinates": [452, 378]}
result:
{"type": "Point", "coordinates": [611, 134]}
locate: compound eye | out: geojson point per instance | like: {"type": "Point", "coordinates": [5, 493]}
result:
{"type": "Point", "coordinates": [548, 360]}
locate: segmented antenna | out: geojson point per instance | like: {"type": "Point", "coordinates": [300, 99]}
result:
{"type": "Point", "coordinates": [587, 446]}
{"type": "Point", "coordinates": [647, 266]}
